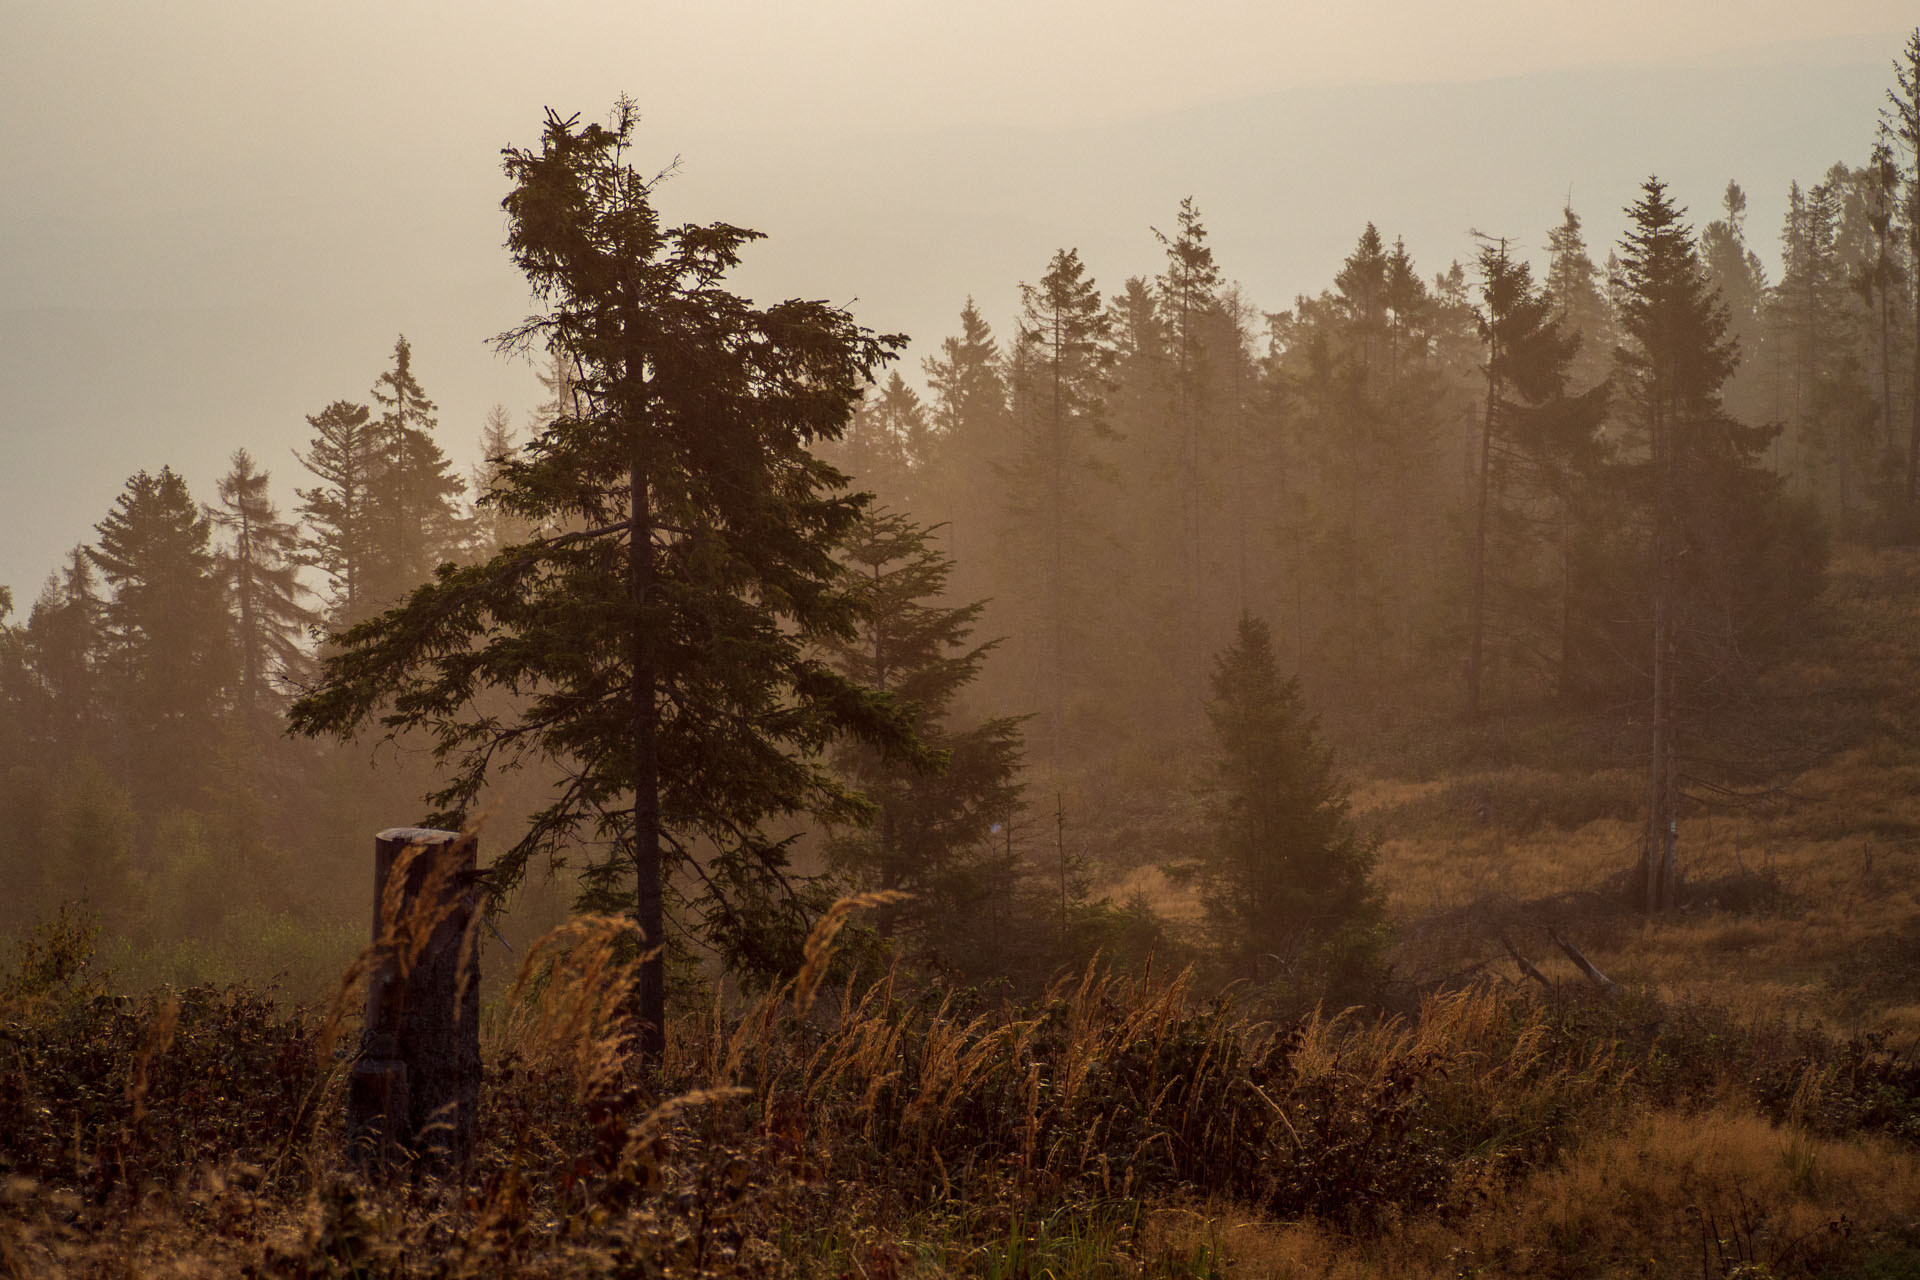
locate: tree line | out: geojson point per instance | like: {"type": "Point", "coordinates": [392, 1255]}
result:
{"type": "Point", "coordinates": [1604, 490]}
{"type": "Point", "coordinates": [144, 754]}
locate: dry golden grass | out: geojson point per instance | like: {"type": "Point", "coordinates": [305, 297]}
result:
{"type": "Point", "coordinates": [1837, 896]}
{"type": "Point", "coordinates": [1839, 840]}
{"type": "Point", "coordinates": [1669, 1194]}
{"type": "Point", "coordinates": [1177, 904]}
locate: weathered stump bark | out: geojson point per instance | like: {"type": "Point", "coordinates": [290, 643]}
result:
{"type": "Point", "coordinates": [415, 1089]}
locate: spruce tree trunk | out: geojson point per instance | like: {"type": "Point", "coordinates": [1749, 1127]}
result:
{"type": "Point", "coordinates": [1913, 258]}
{"type": "Point", "coordinates": [1056, 605]}
{"type": "Point", "coordinates": [888, 922]}
{"type": "Point", "coordinates": [1564, 685]}
{"type": "Point", "coordinates": [399, 513]}
{"type": "Point", "coordinates": [649, 912]}
{"type": "Point", "coordinates": [1477, 643]}
{"type": "Point", "coordinates": [1913, 400]}
{"type": "Point", "coordinates": [1886, 358]}
{"type": "Point", "coordinates": [249, 651]}
{"type": "Point", "coordinates": [1657, 860]}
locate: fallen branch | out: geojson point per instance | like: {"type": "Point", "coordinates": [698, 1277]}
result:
{"type": "Point", "coordinates": [1526, 965]}
{"type": "Point", "coordinates": [1585, 965]}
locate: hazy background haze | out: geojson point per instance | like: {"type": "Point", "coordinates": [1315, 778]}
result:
{"type": "Point", "coordinates": [216, 217]}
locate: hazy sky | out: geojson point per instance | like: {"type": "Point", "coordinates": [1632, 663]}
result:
{"type": "Point", "coordinates": [216, 216]}
{"type": "Point", "coordinates": [90, 86]}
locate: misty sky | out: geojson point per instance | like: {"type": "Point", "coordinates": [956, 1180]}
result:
{"type": "Point", "coordinates": [216, 217]}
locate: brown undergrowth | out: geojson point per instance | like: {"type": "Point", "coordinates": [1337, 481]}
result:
{"type": "Point", "coordinates": [1122, 1126]}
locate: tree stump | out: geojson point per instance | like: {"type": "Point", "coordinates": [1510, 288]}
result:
{"type": "Point", "coordinates": [414, 1093]}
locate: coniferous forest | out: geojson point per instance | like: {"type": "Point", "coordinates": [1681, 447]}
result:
{"type": "Point", "coordinates": [1416, 778]}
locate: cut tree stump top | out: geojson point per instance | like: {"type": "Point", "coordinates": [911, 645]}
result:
{"type": "Point", "coordinates": [416, 835]}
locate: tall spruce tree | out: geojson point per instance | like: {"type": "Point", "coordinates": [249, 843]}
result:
{"type": "Point", "coordinates": [65, 642]}
{"type": "Point", "coordinates": [664, 647]}
{"type": "Point", "coordinates": [489, 529]}
{"type": "Point", "coordinates": [1142, 620]}
{"type": "Point", "coordinates": [1238, 403]}
{"type": "Point", "coordinates": [1321, 393]}
{"type": "Point", "coordinates": [1187, 302]}
{"type": "Point", "coordinates": [1673, 365]}
{"type": "Point", "coordinates": [1901, 124]}
{"type": "Point", "coordinates": [967, 412]}
{"type": "Point", "coordinates": [19, 700]}
{"type": "Point", "coordinates": [1514, 315]}
{"type": "Point", "coordinates": [887, 443]}
{"type": "Point", "coordinates": [167, 639]}
{"type": "Point", "coordinates": [1737, 273]}
{"type": "Point", "coordinates": [13, 656]}
{"type": "Point", "coordinates": [259, 567]}
{"type": "Point", "coordinates": [340, 525]}
{"type": "Point", "coordinates": [1539, 445]}
{"type": "Point", "coordinates": [1878, 275]}
{"type": "Point", "coordinates": [1060, 390]}
{"type": "Point", "coordinates": [968, 389]}
{"type": "Point", "coordinates": [556, 377]}
{"type": "Point", "coordinates": [1809, 307]}
{"type": "Point", "coordinates": [412, 493]}
{"type": "Point", "coordinates": [1417, 407]}
{"type": "Point", "coordinates": [1574, 284]}
{"type": "Point", "coordinates": [1361, 289]}
{"type": "Point", "coordinates": [1710, 504]}
{"type": "Point", "coordinates": [931, 834]}
{"type": "Point", "coordinates": [1286, 876]}
{"type": "Point", "coordinates": [1366, 397]}
{"type": "Point", "coordinates": [1360, 293]}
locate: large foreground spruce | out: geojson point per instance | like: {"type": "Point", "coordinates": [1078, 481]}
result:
{"type": "Point", "coordinates": [656, 639]}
